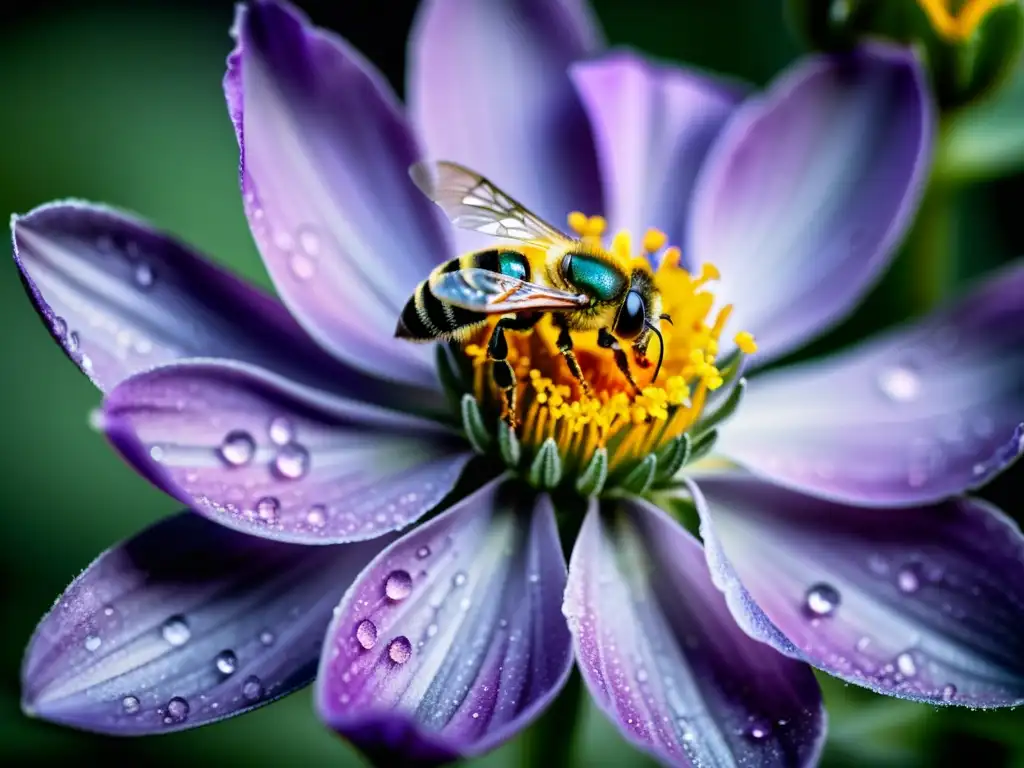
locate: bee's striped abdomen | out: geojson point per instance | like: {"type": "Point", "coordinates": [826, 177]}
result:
{"type": "Point", "coordinates": [425, 317]}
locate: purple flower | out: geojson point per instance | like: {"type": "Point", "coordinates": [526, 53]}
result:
{"type": "Point", "coordinates": [835, 532]}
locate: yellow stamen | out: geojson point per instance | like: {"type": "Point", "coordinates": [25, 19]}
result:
{"type": "Point", "coordinates": [610, 415]}
{"type": "Point", "coordinates": [960, 25]}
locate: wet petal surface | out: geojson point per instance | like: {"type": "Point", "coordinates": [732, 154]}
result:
{"type": "Point", "coordinates": [489, 88]}
{"type": "Point", "coordinates": [452, 640]}
{"type": "Point", "coordinates": [922, 603]}
{"type": "Point", "coordinates": [121, 297]}
{"type": "Point", "coordinates": [917, 415]}
{"type": "Point", "coordinates": [665, 660]}
{"type": "Point", "coordinates": [184, 624]}
{"type": "Point", "coordinates": [808, 190]}
{"type": "Point", "coordinates": [653, 126]}
{"type": "Point", "coordinates": [345, 234]}
{"type": "Point", "coordinates": [263, 455]}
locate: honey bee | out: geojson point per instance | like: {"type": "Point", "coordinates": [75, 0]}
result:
{"type": "Point", "coordinates": [582, 286]}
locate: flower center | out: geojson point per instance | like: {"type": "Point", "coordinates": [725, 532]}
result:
{"type": "Point", "coordinates": [957, 19]}
{"type": "Point", "coordinates": [608, 428]}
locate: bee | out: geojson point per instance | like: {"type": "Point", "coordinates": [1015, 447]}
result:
{"type": "Point", "coordinates": [545, 271]}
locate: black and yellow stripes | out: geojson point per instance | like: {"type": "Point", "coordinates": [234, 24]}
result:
{"type": "Point", "coordinates": [426, 318]}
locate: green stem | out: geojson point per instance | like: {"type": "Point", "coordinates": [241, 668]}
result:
{"type": "Point", "coordinates": [553, 738]}
{"type": "Point", "coordinates": [931, 248]}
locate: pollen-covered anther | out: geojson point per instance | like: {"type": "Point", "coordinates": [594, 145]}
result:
{"type": "Point", "coordinates": [609, 422]}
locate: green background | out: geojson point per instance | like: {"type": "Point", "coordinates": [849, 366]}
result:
{"type": "Point", "coordinates": [122, 103]}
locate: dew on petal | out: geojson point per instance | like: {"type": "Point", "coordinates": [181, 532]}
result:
{"type": "Point", "coordinates": [948, 692]}
{"type": "Point", "coordinates": [280, 431]}
{"type": "Point", "coordinates": [252, 688]}
{"type": "Point", "coordinates": [757, 729]}
{"type": "Point", "coordinates": [130, 705]}
{"type": "Point", "coordinates": [317, 516]}
{"type": "Point", "coordinates": [400, 649]}
{"type": "Point", "coordinates": [459, 579]}
{"type": "Point", "coordinates": [144, 277]}
{"type": "Point", "coordinates": [60, 327]}
{"type": "Point", "coordinates": [177, 711]}
{"type": "Point", "coordinates": [175, 631]}
{"type": "Point", "coordinates": [900, 384]}
{"type": "Point", "coordinates": [908, 579]}
{"type": "Point", "coordinates": [226, 662]}
{"type": "Point", "coordinates": [267, 637]}
{"type": "Point", "coordinates": [906, 665]}
{"type": "Point", "coordinates": [821, 600]}
{"type": "Point", "coordinates": [366, 634]}
{"type": "Point", "coordinates": [238, 448]}
{"type": "Point", "coordinates": [398, 585]}
{"type": "Point", "coordinates": [292, 461]}
{"type": "Point", "coordinates": [267, 509]}
{"type": "Point", "coordinates": [423, 552]}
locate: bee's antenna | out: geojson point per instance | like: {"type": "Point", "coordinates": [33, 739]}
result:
{"type": "Point", "coordinates": [661, 349]}
{"type": "Point", "coordinates": [666, 317]}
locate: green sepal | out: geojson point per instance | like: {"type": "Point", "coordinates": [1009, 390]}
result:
{"type": "Point", "coordinates": [723, 411]}
{"type": "Point", "coordinates": [451, 382]}
{"type": "Point", "coordinates": [702, 445]}
{"type": "Point", "coordinates": [641, 477]}
{"type": "Point", "coordinates": [673, 457]}
{"type": "Point", "coordinates": [546, 470]}
{"type": "Point", "coordinates": [508, 445]}
{"type": "Point", "coordinates": [591, 481]}
{"type": "Point", "coordinates": [473, 425]}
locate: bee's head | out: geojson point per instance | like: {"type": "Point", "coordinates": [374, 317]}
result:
{"type": "Point", "coordinates": [640, 316]}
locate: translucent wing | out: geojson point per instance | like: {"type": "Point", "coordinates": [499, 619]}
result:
{"type": "Point", "coordinates": [472, 202]}
{"type": "Point", "coordinates": [494, 293]}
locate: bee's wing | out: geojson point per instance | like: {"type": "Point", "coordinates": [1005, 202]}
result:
{"type": "Point", "coordinates": [472, 202]}
{"type": "Point", "coordinates": [494, 293]}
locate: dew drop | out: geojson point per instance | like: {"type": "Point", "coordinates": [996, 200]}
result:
{"type": "Point", "coordinates": [252, 688]}
{"type": "Point", "coordinates": [267, 637]}
{"type": "Point", "coordinates": [641, 675]}
{"type": "Point", "coordinates": [177, 711]}
{"type": "Point", "coordinates": [316, 517]}
{"type": "Point", "coordinates": [757, 729]}
{"type": "Point", "coordinates": [908, 579]}
{"type": "Point", "coordinates": [366, 634]}
{"type": "Point", "coordinates": [280, 431]}
{"type": "Point", "coordinates": [130, 705]}
{"type": "Point", "coordinates": [267, 509]}
{"type": "Point", "coordinates": [948, 692]}
{"type": "Point", "coordinates": [821, 600]}
{"type": "Point", "coordinates": [905, 664]}
{"type": "Point", "coordinates": [283, 240]}
{"type": "Point", "coordinates": [398, 585]}
{"type": "Point", "coordinates": [292, 461]}
{"type": "Point", "coordinates": [73, 342]}
{"type": "Point", "coordinates": [175, 631]}
{"type": "Point", "coordinates": [309, 242]}
{"type": "Point", "coordinates": [302, 266]}
{"type": "Point", "coordinates": [459, 579]}
{"type": "Point", "coordinates": [423, 552]}
{"type": "Point", "coordinates": [900, 384]}
{"type": "Point", "coordinates": [92, 643]}
{"type": "Point", "coordinates": [238, 448]}
{"type": "Point", "coordinates": [400, 649]}
{"type": "Point", "coordinates": [60, 327]}
{"type": "Point", "coordinates": [143, 275]}
{"type": "Point", "coordinates": [863, 643]}
{"type": "Point", "coordinates": [226, 662]}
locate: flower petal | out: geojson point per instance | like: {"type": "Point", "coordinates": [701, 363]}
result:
{"type": "Point", "coordinates": [489, 88]}
{"type": "Point", "coordinates": [121, 297]}
{"type": "Point", "coordinates": [917, 415]}
{"type": "Point", "coordinates": [186, 623]}
{"type": "Point", "coordinates": [265, 456]}
{"type": "Point", "coordinates": [808, 190]}
{"type": "Point", "coordinates": [653, 126]}
{"type": "Point", "coordinates": [922, 603]}
{"type": "Point", "coordinates": [665, 660]}
{"type": "Point", "coordinates": [451, 640]}
{"type": "Point", "coordinates": [326, 151]}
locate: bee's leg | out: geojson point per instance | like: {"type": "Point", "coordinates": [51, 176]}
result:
{"type": "Point", "coordinates": [564, 343]}
{"type": "Point", "coordinates": [607, 341]}
{"type": "Point", "coordinates": [501, 370]}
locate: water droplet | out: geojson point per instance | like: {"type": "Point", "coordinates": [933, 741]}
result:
{"type": "Point", "coordinates": [302, 266]}
{"type": "Point", "coordinates": [317, 516]}
{"type": "Point", "coordinates": [757, 729]}
{"type": "Point", "coordinates": [905, 664]}
{"type": "Point", "coordinates": [309, 241]}
{"type": "Point", "coordinates": [175, 631]}
{"type": "Point", "coordinates": [280, 431]}
{"type": "Point", "coordinates": [283, 240]}
{"type": "Point", "coordinates": [267, 509]}
{"type": "Point", "coordinates": [92, 643]}
{"type": "Point", "coordinates": [73, 342]}
{"type": "Point", "coordinates": [238, 448]}
{"type": "Point", "coordinates": [60, 327]}
{"type": "Point", "coordinates": [908, 579]}
{"type": "Point", "coordinates": [292, 461]}
{"type": "Point", "coordinates": [130, 705]}
{"type": "Point", "coordinates": [252, 688]}
{"type": "Point", "coordinates": [156, 453]}
{"type": "Point", "coordinates": [366, 634]}
{"type": "Point", "coordinates": [821, 600]}
{"type": "Point", "coordinates": [423, 552]}
{"type": "Point", "coordinates": [863, 643]}
{"type": "Point", "coordinates": [948, 692]}
{"type": "Point", "coordinates": [226, 662]}
{"type": "Point", "coordinates": [398, 585]}
{"type": "Point", "coordinates": [400, 649]}
{"type": "Point", "coordinates": [267, 637]}
{"type": "Point", "coordinates": [533, 578]}
{"type": "Point", "coordinates": [641, 675]}
{"type": "Point", "coordinates": [900, 384]}
{"type": "Point", "coordinates": [459, 579]}
{"type": "Point", "coordinates": [177, 711]}
{"type": "Point", "coordinates": [144, 275]}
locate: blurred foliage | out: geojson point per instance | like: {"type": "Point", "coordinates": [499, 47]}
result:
{"type": "Point", "coordinates": [122, 103]}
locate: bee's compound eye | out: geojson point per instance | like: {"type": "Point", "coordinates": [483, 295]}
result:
{"type": "Point", "coordinates": [631, 317]}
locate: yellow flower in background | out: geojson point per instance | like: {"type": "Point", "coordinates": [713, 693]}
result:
{"type": "Point", "coordinates": [958, 23]}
